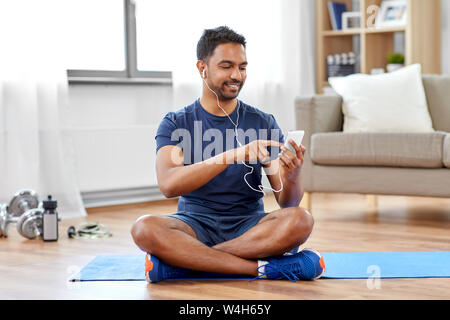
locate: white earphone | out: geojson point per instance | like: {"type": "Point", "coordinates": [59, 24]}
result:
{"type": "Point", "coordinates": [261, 187]}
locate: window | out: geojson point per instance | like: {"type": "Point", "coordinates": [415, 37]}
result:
{"type": "Point", "coordinates": [99, 47]}
{"type": "Point", "coordinates": [103, 44]}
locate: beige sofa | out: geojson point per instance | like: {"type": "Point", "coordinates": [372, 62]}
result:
{"type": "Point", "coordinates": [410, 164]}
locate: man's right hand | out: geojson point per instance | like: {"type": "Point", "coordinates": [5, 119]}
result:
{"type": "Point", "coordinates": [255, 150]}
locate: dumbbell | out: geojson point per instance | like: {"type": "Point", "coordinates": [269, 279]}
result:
{"type": "Point", "coordinates": [22, 202]}
{"type": "Point", "coordinates": [29, 224]}
{"type": "Point", "coordinates": [3, 220]}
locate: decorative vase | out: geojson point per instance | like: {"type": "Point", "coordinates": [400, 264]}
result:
{"type": "Point", "coordinates": [391, 67]}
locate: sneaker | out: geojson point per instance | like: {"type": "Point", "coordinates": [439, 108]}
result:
{"type": "Point", "coordinates": [156, 270]}
{"type": "Point", "coordinates": [307, 264]}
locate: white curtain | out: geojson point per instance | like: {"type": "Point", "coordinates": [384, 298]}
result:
{"type": "Point", "coordinates": [280, 47]}
{"type": "Point", "coordinates": [35, 151]}
{"type": "Point", "coordinates": [446, 37]}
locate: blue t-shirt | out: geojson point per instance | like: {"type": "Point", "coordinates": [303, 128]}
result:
{"type": "Point", "coordinates": [202, 135]}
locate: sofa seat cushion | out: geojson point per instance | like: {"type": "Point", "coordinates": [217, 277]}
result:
{"type": "Point", "coordinates": [413, 150]}
{"type": "Point", "coordinates": [446, 159]}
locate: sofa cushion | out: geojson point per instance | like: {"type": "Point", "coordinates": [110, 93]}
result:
{"type": "Point", "coordinates": [414, 150]}
{"type": "Point", "coordinates": [446, 158]}
{"type": "Point", "coordinates": [391, 102]}
{"type": "Point", "coordinates": [437, 90]}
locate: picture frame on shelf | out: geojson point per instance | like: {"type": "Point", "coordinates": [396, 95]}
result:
{"type": "Point", "coordinates": [351, 20]}
{"type": "Point", "coordinates": [392, 13]}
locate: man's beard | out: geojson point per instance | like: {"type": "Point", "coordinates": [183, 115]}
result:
{"type": "Point", "coordinates": [222, 91]}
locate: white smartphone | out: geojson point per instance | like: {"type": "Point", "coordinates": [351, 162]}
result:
{"type": "Point", "coordinates": [297, 136]}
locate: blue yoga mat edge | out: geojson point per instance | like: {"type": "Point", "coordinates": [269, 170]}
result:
{"type": "Point", "coordinates": [339, 265]}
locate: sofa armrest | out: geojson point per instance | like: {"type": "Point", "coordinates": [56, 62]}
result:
{"type": "Point", "coordinates": [319, 113]}
{"type": "Point", "coordinates": [314, 114]}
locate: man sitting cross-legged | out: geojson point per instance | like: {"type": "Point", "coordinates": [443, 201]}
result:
{"type": "Point", "coordinates": [221, 225]}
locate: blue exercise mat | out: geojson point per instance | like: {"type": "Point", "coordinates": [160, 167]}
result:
{"type": "Point", "coordinates": [363, 265]}
{"type": "Point", "coordinates": [131, 268]}
{"type": "Point", "coordinates": [343, 265]}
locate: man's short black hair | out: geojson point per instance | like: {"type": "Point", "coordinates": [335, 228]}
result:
{"type": "Point", "coordinates": [211, 38]}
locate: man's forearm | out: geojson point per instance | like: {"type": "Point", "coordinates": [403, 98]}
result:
{"type": "Point", "coordinates": [186, 179]}
{"type": "Point", "coordinates": [292, 193]}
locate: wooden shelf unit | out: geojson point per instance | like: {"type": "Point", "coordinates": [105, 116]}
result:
{"type": "Point", "coordinates": [422, 38]}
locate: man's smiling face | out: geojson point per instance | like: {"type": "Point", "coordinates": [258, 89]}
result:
{"type": "Point", "coordinates": [227, 70]}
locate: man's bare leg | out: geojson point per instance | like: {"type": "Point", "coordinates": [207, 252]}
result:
{"type": "Point", "coordinates": [175, 243]}
{"type": "Point", "coordinates": [275, 234]}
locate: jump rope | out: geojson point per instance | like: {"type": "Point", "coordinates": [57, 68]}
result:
{"type": "Point", "coordinates": [260, 187]}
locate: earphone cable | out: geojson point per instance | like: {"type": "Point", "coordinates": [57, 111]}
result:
{"type": "Point", "coordinates": [261, 187]}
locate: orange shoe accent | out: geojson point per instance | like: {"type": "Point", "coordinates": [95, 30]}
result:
{"type": "Point", "coordinates": [148, 264]}
{"type": "Point", "coordinates": [322, 263]}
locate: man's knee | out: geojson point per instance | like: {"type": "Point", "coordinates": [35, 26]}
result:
{"type": "Point", "coordinates": [302, 224]}
{"type": "Point", "coordinates": [144, 232]}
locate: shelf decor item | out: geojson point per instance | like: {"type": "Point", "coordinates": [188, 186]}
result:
{"type": "Point", "coordinates": [341, 65]}
{"type": "Point", "coordinates": [351, 20]}
{"type": "Point", "coordinates": [392, 13]}
{"type": "Point", "coordinates": [395, 61]}
{"type": "Point", "coordinates": [336, 9]}
{"type": "Point", "coordinates": [377, 71]}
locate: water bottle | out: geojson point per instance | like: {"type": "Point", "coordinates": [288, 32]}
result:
{"type": "Point", "coordinates": [50, 220]}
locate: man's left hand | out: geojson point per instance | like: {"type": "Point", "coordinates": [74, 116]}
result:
{"type": "Point", "coordinates": [291, 163]}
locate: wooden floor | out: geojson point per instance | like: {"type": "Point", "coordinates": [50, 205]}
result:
{"type": "Point", "coordinates": [32, 269]}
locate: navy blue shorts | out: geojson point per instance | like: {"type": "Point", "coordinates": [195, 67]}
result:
{"type": "Point", "coordinates": [214, 228]}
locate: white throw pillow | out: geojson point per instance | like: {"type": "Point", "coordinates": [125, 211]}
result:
{"type": "Point", "coordinates": [391, 102]}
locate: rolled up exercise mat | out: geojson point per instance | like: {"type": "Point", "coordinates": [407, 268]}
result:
{"type": "Point", "coordinates": [338, 265]}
